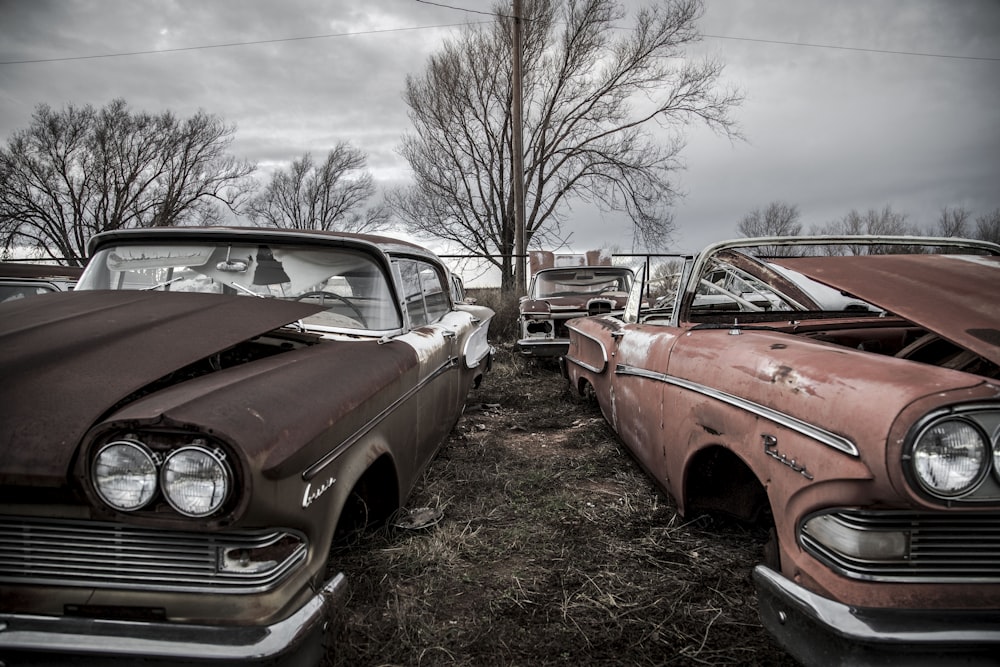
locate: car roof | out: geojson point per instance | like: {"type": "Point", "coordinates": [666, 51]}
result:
{"type": "Point", "coordinates": [39, 271]}
{"type": "Point", "coordinates": [384, 243]}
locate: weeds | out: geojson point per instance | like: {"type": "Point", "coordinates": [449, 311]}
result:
{"type": "Point", "coordinates": [554, 549]}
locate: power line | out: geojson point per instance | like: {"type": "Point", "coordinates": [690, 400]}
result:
{"type": "Point", "coordinates": [230, 44]}
{"type": "Point", "coordinates": [455, 25]}
{"type": "Point", "coordinates": [853, 48]}
{"type": "Point", "coordinates": [463, 9]}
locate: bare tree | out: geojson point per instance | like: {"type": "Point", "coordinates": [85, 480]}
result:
{"type": "Point", "coordinates": [953, 222]}
{"type": "Point", "coordinates": [778, 219]}
{"type": "Point", "coordinates": [884, 223]}
{"type": "Point", "coordinates": [80, 171]}
{"type": "Point", "coordinates": [988, 226]}
{"type": "Point", "coordinates": [592, 93]}
{"type": "Point", "coordinates": [329, 196]}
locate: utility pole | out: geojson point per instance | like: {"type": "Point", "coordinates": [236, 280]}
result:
{"type": "Point", "coordinates": [517, 163]}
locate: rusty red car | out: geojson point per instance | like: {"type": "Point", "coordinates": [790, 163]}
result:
{"type": "Point", "coordinates": [185, 434]}
{"type": "Point", "coordinates": [844, 392]}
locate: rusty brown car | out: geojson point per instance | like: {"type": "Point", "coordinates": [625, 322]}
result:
{"type": "Point", "coordinates": [558, 294]}
{"type": "Point", "coordinates": [184, 435]}
{"type": "Point", "coordinates": [847, 396]}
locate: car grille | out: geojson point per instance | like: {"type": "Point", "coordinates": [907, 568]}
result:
{"type": "Point", "coordinates": [943, 547]}
{"type": "Point", "coordinates": [111, 555]}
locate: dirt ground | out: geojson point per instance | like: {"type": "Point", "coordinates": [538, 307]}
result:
{"type": "Point", "coordinates": [553, 548]}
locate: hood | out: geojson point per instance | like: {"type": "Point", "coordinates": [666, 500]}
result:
{"type": "Point", "coordinates": [955, 296]}
{"type": "Point", "coordinates": [67, 358]}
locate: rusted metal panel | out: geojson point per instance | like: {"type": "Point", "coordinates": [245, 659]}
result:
{"type": "Point", "coordinates": [266, 407]}
{"type": "Point", "coordinates": [291, 421]}
{"type": "Point", "coordinates": [809, 412]}
{"type": "Point", "coordinates": [956, 296]}
{"type": "Point", "coordinates": [80, 353]}
{"type": "Point", "coordinates": [547, 259]}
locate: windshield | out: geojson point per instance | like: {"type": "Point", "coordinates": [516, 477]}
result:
{"type": "Point", "coordinates": [581, 280]}
{"type": "Point", "coordinates": [349, 283]}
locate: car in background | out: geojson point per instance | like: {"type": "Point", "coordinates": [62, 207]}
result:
{"type": "Point", "coordinates": [186, 433]}
{"type": "Point", "coordinates": [851, 402]}
{"type": "Point", "coordinates": [559, 294]}
{"type": "Point", "coordinates": [19, 280]}
{"type": "Point", "coordinates": [458, 293]}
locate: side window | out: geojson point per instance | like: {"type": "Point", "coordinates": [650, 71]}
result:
{"type": "Point", "coordinates": [436, 292]}
{"type": "Point", "coordinates": [424, 291]}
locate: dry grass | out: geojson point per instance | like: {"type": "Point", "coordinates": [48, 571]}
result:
{"type": "Point", "coordinates": [554, 549]}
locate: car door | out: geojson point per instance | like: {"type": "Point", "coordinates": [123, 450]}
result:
{"type": "Point", "coordinates": [425, 293]}
{"type": "Point", "coordinates": [641, 389]}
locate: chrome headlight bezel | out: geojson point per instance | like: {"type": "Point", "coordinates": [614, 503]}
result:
{"type": "Point", "coordinates": [957, 450]}
{"type": "Point", "coordinates": [176, 475]}
{"type": "Point", "coordinates": [980, 424]}
{"type": "Point", "coordinates": [172, 462]}
{"type": "Point", "coordinates": [996, 453]}
{"type": "Point", "coordinates": [140, 469]}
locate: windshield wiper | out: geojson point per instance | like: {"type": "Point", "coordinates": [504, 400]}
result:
{"type": "Point", "coordinates": [247, 290]}
{"type": "Point", "coordinates": [163, 284]}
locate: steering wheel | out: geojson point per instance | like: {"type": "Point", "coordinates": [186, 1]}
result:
{"type": "Point", "coordinates": [323, 295]}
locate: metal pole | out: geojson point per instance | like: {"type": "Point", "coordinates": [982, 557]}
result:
{"type": "Point", "coordinates": [517, 164]}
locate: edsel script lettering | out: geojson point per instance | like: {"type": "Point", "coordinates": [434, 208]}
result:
{"type": "Point", "coordinates": [311, 495]}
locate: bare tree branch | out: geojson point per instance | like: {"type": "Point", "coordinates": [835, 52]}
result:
{"type": "Point", "coordinates": [885, 222]}
{"type": "Point", "coordinates": [80, 171]}
{"type": "Point", "coordinates": [988, 226]}
{"type": "Point", "coordinates": [778, 219]}
{"type": "Point", "coordinates": [329, 196]}
{"type": "Point", "coordinates": [593, 94]}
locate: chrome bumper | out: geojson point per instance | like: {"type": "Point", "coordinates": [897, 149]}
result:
{"type": "Point", "coordinates": [28, 639]}
{"type": "Point", "coordinates": [820, 631]}
{"type": "Point", "coordinates": [543, 347]}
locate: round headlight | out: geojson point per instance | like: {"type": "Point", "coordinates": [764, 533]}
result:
{"type": "Point", "coordinates": [950, 457]}
{"type": "Point", "coordinates": [996, 453]}
{"type": "Point", "coordinates": [124, 475]}
{"type": "Point", "coordinates": [195, 481]}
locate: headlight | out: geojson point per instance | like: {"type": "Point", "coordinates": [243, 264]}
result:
{"type": "Point", "coordinates": [996, 453]}
{"type": "Point", "coordinates": [196, 481]}
{"type": "Point", "coordinates": [124, 475]}
{"type": "Point", "coordinates": [950, 457]}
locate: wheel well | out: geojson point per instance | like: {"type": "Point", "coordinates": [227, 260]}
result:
{"type": "Point", "coordinates": [374, 498]}
{"type": "Point", "coordinates": [586, 390]}
{"type": "Point", "coordinates": [718, 481]}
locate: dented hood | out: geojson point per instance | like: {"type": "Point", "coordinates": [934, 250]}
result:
{"type": "Point", "coordinates": [67, 359]}
{"type": "Point", "coordinates": [955, 296]}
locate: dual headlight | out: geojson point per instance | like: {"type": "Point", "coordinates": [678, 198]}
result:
{"type": "Point", "coordinates": [194, 478]}
{"type": "Point", "coordinates": [953, 456]}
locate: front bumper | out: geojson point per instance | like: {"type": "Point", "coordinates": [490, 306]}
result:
{"type": "Point", "coordinates": [47, 640]}
{"type": "Point", "coordinates": [543, 347]}
{"type": "Point", "coordinates": [819, 631]}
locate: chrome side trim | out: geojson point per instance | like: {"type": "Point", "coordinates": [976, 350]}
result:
{"type": "Point", "coordinates": [818, 434]}
{"type": "Point", "coordinates": [316, 468]}
{"type": "Point", "coordinates": [583, 364]}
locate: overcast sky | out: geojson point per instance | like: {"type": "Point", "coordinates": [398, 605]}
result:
{"type": "Point", "coordinates": [838, 116]}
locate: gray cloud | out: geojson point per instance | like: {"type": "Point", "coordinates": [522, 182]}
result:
{"type": "Point", "coordinates": [827, 129]}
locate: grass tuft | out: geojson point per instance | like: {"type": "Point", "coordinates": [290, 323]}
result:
{"type": "Point", "coordinates": [554, 549]}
